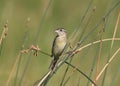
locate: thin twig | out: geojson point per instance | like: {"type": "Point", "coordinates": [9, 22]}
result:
{"type": "Point", "coordinates": [95, 42]}
{"type": "Point", "coordinates": [32, 48]}
{"type": "Point", "coordinates": [61, 84]}
{"type": "Point", "coordinates": [115, 30]}
{"type": "Point", "coordinates": [106, 65]}
{"type": "Point", "coordinates": [100, 48]}
{"type": "Point", "coordinates": [82, 73]}
{"type": "Point", "coordinates": [13, 70]}
{"type": "Point", "coordinates": [4, 33]}
{"type": "Point", "coordinates": [41, 83]}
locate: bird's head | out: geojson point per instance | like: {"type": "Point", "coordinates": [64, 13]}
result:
{"type": "Point", "coordinates": [60, 31]}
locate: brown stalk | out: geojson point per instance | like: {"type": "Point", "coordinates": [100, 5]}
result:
{"type": "Point", "coordinates": [4, 33]}
{"type": "Point", "coordinates": [115, 30]}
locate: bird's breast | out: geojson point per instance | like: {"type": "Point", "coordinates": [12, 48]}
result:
{"type": "Point", "coordinates": [60, 44]}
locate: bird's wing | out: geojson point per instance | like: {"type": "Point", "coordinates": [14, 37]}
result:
{"type": "Point", "coordinates": [53, 46]}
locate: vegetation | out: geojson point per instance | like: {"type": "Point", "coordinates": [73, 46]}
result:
{"type": "Point", "coordinates": [92, 56]}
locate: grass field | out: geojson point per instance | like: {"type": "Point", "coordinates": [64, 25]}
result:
{"type": "Point", "coordinates": [93, 31]}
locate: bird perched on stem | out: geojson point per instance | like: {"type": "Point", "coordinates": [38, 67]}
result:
{"type": "Point", "coordinates": [58, 46]}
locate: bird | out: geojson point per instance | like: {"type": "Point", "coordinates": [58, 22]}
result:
{"type": "Point", "coordinates": [58, 46]}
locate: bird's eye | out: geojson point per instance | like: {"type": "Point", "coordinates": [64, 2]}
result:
{"type": "Point", "coordinates": [60, 29]}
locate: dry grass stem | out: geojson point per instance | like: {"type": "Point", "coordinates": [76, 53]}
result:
{"type": "Point", "coordinates": [115, 30]}
{"type": "Point", "coordinates": [13, 70]}
{"type": "Point", "coordinates": [18, 56]}
{"type": "Point", "coordinates": [87, 45]}
{"type": "Point", "coordinates": [100, 48]}
{"type": "Point", "coordinates": [32, 48]}
{"type": "Point", "coordinates": [106, 65]}
{"type": "Point", "coordinates": [41, 83]}
{"type": "Point", "coordinates": [4, 33]}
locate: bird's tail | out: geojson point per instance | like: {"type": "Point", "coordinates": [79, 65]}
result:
{"type": "Point", "coordinates": [53, 63]}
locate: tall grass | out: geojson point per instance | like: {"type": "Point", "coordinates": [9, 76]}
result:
{"type": "Point", "coordinates": [91, 57]}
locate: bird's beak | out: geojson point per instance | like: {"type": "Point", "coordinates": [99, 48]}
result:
{"type": "Point", "coordinates": [56, 31]}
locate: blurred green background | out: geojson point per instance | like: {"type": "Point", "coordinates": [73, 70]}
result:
{"type": "Point", "coordinates": [45, 16]}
